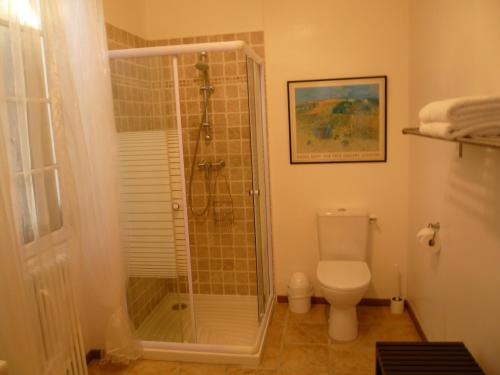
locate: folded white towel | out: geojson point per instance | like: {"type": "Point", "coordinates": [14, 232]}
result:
{"type": "Point", "coordinates": [460, 109]}
{"type": "Point", "coordinates": [445, 130]}
{"type": "Point", "coordinates": [476, 119]}
{"type": "Point", "coordinates": [435, 129]}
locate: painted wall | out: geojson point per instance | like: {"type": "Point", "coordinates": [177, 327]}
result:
{"type": "Point", "coordinates": [129, 15]}
{"type": "Point", "coordinates": [200, 17]}
{"type": "Point", "coordinates": [330, 39]}
{"type": "Point", "coordinates": [160, 19]}
{"type": "Point", "coordinates": [454, 51]}
{"type": "Point", "coordinates": [337, 39]}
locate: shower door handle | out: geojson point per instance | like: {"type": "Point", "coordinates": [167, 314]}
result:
{"type": "Point", "coordinates": [253, 192]}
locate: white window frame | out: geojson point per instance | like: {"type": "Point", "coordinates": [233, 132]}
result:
{"type": "Point", "coordinates": [40, 243]}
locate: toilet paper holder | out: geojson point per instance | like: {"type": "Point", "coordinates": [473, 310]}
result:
{"type": "Point", "coordinates": [435, 228]}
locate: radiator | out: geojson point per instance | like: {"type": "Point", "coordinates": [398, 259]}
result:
{"type": "Point", "coordinates": [58, 317]}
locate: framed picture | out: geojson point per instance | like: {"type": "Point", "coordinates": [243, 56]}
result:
{"type": "Point", "coordinates": [341, 120]}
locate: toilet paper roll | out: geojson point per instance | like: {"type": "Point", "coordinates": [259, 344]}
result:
{"type": "Point", "coordinates": [425, 236]}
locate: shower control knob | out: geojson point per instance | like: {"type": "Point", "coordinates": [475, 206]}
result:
{"type": "Point", "coordinates": [176, 206]}
{"type": "Point", "coordinates": [253, 192]}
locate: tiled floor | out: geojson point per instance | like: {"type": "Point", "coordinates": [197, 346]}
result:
{"type": "Point", "coordinates": [298, 344]}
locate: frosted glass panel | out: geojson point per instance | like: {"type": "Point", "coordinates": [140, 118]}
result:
{"type": "Point", "coordinates": [12, 114]}
{"type": "Point", "coordinates": [26, 224]}
{"type": "Point", "coordinates": [33, 65]}
{"type": "Point", "coordinates": [53, 199]}
{"type": "Point", "coordinates": [42, 210]}
{"type": "Point", "coordinates": [40, 134]}
{"type": "Point", "coordinates": [6, 61]}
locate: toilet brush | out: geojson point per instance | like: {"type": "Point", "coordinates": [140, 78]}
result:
{"type": "Point", "coordinates": [397, 303]}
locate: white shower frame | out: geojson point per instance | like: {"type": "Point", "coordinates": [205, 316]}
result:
{"type": "Point", "coordinates": [191, 352]}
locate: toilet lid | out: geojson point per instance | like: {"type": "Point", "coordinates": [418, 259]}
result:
{"type": "Point", "coordinates": [343, 274]}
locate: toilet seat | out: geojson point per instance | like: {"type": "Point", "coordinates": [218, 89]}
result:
{"type": "Point", "coordinates": [343, 275]}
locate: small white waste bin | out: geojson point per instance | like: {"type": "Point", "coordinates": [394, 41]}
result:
{"type": "Point", "coordinates": [299, 293]}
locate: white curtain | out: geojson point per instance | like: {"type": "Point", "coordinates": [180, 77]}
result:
{"type": "Point", "coordinates": [17, 313]}
{"type": "Point", "coordinates": [38, 315]}
{"type": "Point", "coordinates": [93, 144]}
{"type": "Point", "coordinates": [78, 183]}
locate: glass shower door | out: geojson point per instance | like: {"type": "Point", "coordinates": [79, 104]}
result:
{"type": "Point", "coordinates": [258, 191]}
{"type": "Point", "coordinates": [151, 198]}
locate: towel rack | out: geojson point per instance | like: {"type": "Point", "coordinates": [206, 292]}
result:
{"type": "Point", "coordinates": [493, 142]}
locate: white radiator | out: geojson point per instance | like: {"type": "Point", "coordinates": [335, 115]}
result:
{"type": "Point", "coordinates": [147, 179]}
{"type": "Point", "coordinates": [58, 316]}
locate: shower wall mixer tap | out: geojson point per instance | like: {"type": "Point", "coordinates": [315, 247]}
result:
{"type": "Point", "coordinates": [211, 165]}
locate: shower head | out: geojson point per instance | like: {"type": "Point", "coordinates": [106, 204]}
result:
{"type": "Point", "coordinates": [202, 66]}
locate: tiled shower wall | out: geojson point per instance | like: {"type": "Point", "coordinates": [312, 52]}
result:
{"type": "Point", "coordinates": [223, 241]}
{"type": "Point", "coordinates": [142, 90]}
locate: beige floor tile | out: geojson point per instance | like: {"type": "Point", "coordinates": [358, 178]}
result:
{"type": "Point", "coordinates": [249, 371]}
{"type": "Point", "coordinates": [306, 333]}
{"type": "Point", "coordinates": [366, 337]}
{"type": "Point", "coordinates": [355, 346]}
{"type": "Point", "coordinates": [201, 369]}
{"type": "Point", "coordinates": [381, 314]}
{"type": "Point", "coordinates": [110, 369]}
{"type": "Point", "coordinates": [93, 369]}
{"type": "Point", "coordinates": [317, 315]}
{"type": "Point", "coordinates": [297, 344]}
{"type": "Point", "coordinates": [272, 345]}
{"type": "Point", "coordinates": [280, 312]}
{"type": "Point", "coordinates": [275, 330]}
{"type": "Point", "coordinates": [394, 332]}
{"type": "Point", "coordinates": [297, 359]}
{"type": "Point", "coordinates": [345, 360]}
{"type": "Point", "coordinates": [363, 342]}
{"type": "Point", "coordinates": [304, 371]}
{"type": "Point", "coordinates": [271, 352]}
{"type": "Point", "coordinates": [145, 367]}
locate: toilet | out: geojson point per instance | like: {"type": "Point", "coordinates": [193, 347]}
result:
{"type": "Point", "coordinates": [342, 271]}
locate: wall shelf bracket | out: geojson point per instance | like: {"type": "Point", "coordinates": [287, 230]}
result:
{"type": "Point", "coordinates": [491, 142]}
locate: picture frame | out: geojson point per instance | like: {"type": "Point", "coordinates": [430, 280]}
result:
{"type": "Point", "coordinates": [338, 120]}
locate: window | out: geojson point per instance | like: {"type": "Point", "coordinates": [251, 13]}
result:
{"type": "Point", "coordinates": [28, 125]}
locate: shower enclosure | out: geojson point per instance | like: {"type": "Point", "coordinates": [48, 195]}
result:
{"type": "Point", "coordinates": [195, 198]}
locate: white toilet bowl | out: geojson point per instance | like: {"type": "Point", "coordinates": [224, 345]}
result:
{"type": "Point", "coordinates": [343, 284]}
